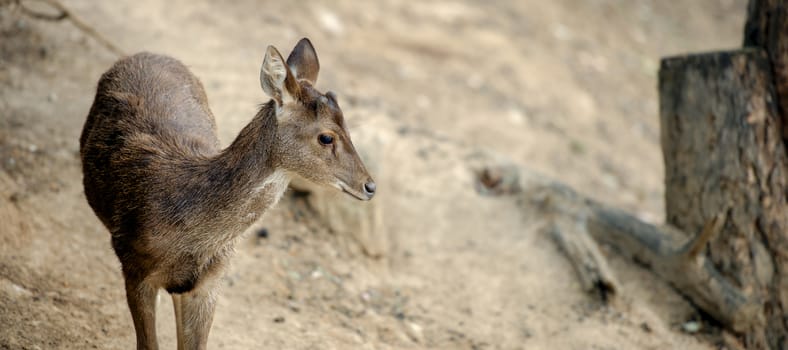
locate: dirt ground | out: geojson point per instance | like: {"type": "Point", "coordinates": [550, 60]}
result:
{"type": "Point", "coordinates": [565, 89]}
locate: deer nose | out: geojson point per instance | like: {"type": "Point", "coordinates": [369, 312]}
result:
{"type": "Point", "coordinates": [369, 188]}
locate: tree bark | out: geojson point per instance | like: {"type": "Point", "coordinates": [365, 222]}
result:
{"type": "Point", "coordinates": [767, 28]}
{"type": "Point", "coordinates": [723, 152]}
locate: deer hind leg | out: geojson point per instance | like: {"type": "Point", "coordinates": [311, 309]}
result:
{"type": "Point", "coordinates": [194, 315]}
{"type": "Point", "coordinates": [176, 303]}
{"type": "Point", "coordinates": [141, 297]}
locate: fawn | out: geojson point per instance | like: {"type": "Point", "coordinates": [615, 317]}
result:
{"type": "Point", "coordinates": [174, 202]}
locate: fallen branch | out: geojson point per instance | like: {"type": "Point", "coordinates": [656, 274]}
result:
{"type": "Point", "coordinates": [682, 266]}
{"type": "Point", "coordinates": [567, 227]}
{"type": "Point", "coordinates": [689, 272]}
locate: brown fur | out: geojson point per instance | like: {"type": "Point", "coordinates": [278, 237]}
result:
{"type": "Point", "coordinates": [174, 202]}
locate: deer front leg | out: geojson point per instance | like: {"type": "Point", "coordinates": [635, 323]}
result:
{"type": "Point", "coordinates": [141, 297]}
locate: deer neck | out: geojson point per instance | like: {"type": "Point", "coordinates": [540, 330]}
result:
{"type": "Point", "coordinates": [247, 174]}
{"type": "Point", "coordinates": [251, 154]}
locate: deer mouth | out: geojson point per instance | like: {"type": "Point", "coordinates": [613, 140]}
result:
{"type": "Point", "coordinates": [356, 194]}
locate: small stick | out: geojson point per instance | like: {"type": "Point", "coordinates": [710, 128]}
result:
{"type": "Point", "coordinates": [710, 230]}
{"type": "Point", "coordinates": [79, 23]}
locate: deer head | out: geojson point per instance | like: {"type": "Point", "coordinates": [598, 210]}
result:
{"type": "Point", "coordinates": [313, 140]}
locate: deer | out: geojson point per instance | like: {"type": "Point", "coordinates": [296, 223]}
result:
{"type": "Point", "coordinates": [175, 203]}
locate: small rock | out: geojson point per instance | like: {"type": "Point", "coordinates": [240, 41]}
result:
{"type": "Point", "coordinates": [279, 319]}
{"type": "Point", "coordinates": [645, 327]}
{"type": "Point", "coordinates": [52, 97]}
{"type": "Point", "coordinates": [491, 178]}
{"type": "Point", "coordinates": [293, 306]}
{"type": "Point", "coordinates": [526, 333]}
{"type": "Point", "coordinates": [691, 327]}
{"type": "Point", "coordinates": [330, 22]}
{"type": "Point", "coordinates": [13, 289]}
{"type": "Point", "coordinates": [498, 180]}
{"type": "Point", "coordinates": [414, 331]}
{"type": "Point", "coordinates": [516, 116]}
{"type": "Point", "coordinates": [262, 233]}
{"type": "Point", "coordinates": [15, 197]}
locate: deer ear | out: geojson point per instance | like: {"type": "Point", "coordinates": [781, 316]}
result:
{"type": "Point", "coordinates": [273, 74]}
{"type": "Point", "coordinates": [303, 61]}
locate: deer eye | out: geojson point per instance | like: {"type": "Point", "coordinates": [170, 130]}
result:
{"type": "Point", "coordinates": [325, 139]}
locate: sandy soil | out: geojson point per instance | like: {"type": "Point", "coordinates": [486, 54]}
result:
{"type": "Point", "coordinates": [564, 88]}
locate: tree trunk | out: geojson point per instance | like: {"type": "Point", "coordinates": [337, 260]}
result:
{"type": "Point", "coordinates": [767, 28]}
{"type": "Point", "coordinates": [724, 153]}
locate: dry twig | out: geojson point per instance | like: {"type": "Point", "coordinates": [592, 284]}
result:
{"type": "Point", "coordinates": [65, 14]}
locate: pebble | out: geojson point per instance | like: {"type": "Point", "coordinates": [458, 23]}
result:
{"type": "Point", "coordinates": [691, 326]}
{"type": "Point", "coordinates": [295, 275]}
{"type": "Point", "coordinates": [526, 333]}
{"type": "Point", "coordinates": [279, 319]}
{"type": "Point", "coordinates": [498, 180]}
{"type": "Point", "coordinates": [16, 197]}
{"type": "Point", "coordinates": [14, 289]}
{"type": "Point", "coordinates": [330, 22]}
{"type": "Point", "coordinates": [516, 116]}
{"type": "Point", "coordinates": [262, 233]}
{"type": "Point", "coordinates": [293, 306]}
{"type": "Point", "coordinates": [414, 331]}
